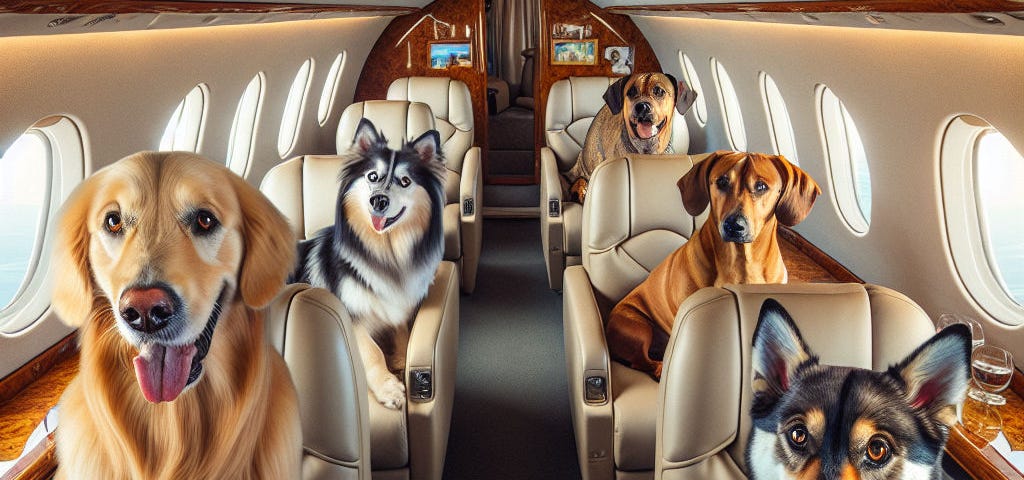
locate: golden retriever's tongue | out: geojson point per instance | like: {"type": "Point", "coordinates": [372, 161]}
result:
{"type": "Point", "coordinates": [646, 130]}
{"type": "Point", "coordinates": [163, 371]}
{"type": "Point", "coordinates": [378, 222]}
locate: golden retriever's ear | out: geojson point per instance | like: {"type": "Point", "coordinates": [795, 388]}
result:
{"type": "Point", "coordinates": [73, 289]}
{"type": "Point", "coordinates": [799, 191]}
{"type": "Point", "coordinates": [693, 186]}
{"type": "Point", "coordinates": [269, 246]}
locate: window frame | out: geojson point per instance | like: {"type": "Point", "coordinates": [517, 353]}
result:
{"type": "Point", "coordinates": [294, 109]}
{"type": "Point", "coordinates": [233, 162]}
{"type": "Point", "coordinates": [331, 86]}
{"type": "Point", "coordinates": [729, 101]}
{"type": "Point", "coordinates": [185, 114]}
{"type": "Point", "coordinates": [834, 122]}
{"type": "Point", "coordinates": [777, 110]}
{"type": "Point", "coordinates": [700, 105]}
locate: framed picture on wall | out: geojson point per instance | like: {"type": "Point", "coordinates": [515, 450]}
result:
{"type": "Point", "coordinates": [445, 55]}
{"type": "Point", "coordinates": [574, 52]}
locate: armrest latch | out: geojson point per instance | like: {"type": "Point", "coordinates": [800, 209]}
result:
{"type": "Point", "coordinates": [468, 207]}
{"type": "Point", "coordinates": [595, 390]}
{"type": "Point", "coordinates": [422, 385]}
{"type": "Point", "coordinates": [554, 208]}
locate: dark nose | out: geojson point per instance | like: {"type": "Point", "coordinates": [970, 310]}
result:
{"type": "Point", "coordinates": [642, 109]}
{"type": "Point", "coordinates": [735, 226]}
{"type": "Point", "coordinates": [379, 202]}
{"type": "Point", "coordinates": [147, 309]}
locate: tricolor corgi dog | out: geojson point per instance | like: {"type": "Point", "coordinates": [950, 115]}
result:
{"type": "Point", "coordinates": [814, 421]}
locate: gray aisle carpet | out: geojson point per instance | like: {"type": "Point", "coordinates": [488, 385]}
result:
{"type": "Point", "coordinates": [511, 415]}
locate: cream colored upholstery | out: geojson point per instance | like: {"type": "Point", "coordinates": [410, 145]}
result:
{"type": "Point", "coordinates": [705, 384]}
{"type": "Point", "coordinates": [451, 104]}
{"type": "Point", "coordinates": [633, 218]}
{"type": "Point", "coordinates": [407, 443]}
{"type": "Point", "coordinates": [311, 330]}
{"type": "Point", "coordinates": [572, 105]}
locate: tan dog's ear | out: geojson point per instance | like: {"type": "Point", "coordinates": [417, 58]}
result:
{"type": "Point", "coordinates": [73, 289]}
{"type": "Point", "coordinates": [614, 96]}
{"type": "Point", "coordinates": [799, 191]}
{"type": "Point", "coordinates": [693, 186]}
{"type": "Point", "coordinates": [269, 246]}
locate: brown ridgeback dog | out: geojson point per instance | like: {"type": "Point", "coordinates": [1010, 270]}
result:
{"type": "Point", "coordinates": [636, 118]}
{"type": "Point", "coordinates": [750, 194]}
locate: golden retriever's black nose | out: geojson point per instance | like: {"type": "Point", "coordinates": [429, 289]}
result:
{"type": "Point", "coordinates": [380, 203]}
{"type": "Point", "coordinates": [147, 309]}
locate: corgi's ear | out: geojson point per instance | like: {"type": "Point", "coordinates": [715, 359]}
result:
{"type": "Point", "coordinates": [428, 146]}
{"type": "Point", "coordinates": [799, 191]}
{"type": "Point", "coordinates": [614, 96]}
{"type": "Point", "coordinates": [778, 351]}
{"type": "Point", "coordinates": [269, 246]}
{"type": "Point", "coordinates": [366, 136]}
{"type": "Point", "coordinates": [937, 373]}
{"type": "Point", "coordinates": [693, 186]}
{"type": "Point", "coordinates": [73, 287]}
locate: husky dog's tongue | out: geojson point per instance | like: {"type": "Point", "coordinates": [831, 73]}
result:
{"type": "Point", "coordinates": [162, 371]}
{"type": "Point", "coordinates": [379, 222]}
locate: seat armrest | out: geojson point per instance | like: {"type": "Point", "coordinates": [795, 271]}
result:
{"type": "Point", "coordinates": [551, 227]}
{"type": "Point", "coordinates": [433, 345]}
{"type": "Point", "coordinates": [471, 194]}
{"type": "Point", "coordinates": [586, 357]}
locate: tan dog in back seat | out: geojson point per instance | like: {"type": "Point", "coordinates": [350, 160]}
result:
{"type": "Point", "coordinates": [750, 194]}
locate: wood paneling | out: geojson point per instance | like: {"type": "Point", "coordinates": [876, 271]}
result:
{"type": "Point", "coordinates": [807, 263]}
{"type": "Point", "coordinates": [904, 6]}
{"type": "Point", "coordinates": [390, 59]}
{"type": "Point", "coordinates": [582, 12]}
{"type": "Point", "coordinates": [127, 6]}
{"type": "Point", "coordinates": [38, 464]}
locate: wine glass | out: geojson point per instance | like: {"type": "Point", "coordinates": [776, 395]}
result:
{"type": "Point", "coordinates": [992, 369]}
{"type": "Point", "coordinates": [977, 334]}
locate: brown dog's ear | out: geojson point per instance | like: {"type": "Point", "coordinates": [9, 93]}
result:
{"type": "Point", "coordinates": [73, 288]}
{"type": "Point", "coordinates": [614, 96]}
{"type": "Point", "coordinates": [799, 191]}
{"type": "Point", "coordinates": [693, 186]}
{"type": "Point", "coordinates": [269, 246]}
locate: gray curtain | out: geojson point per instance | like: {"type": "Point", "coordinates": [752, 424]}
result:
{"type": "Point", "coordinates": [513, 27]}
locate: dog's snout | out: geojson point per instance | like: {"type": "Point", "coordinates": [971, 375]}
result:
{"type": "Point", "coordinates": [147, 309]}
{"type": "Point", "coordinates": [736, 228]}
{"type": "Point", "coordinates": [380, 202]}
{"type": "Point", "coordinates": [642, 109]}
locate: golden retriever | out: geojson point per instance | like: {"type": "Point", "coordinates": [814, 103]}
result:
{"type": "Point", "coordinates": [162, 261]}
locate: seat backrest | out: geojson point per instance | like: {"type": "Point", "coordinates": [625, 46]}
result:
{"type": "Point", "coordinates": [312, 331]}
{"type": "Point", "coordinates": [632, 219]}
{"type": "Point", "coordinates": [706, 381]}
{"type": "Point", "coordinates": [305, 190]}
{"type": "Point", "coordinates": [572, 105]}
{"type": "Point", "coordinates": [526, 81]}
{"type": "Point", "coordinates": [400, 120]}
{"type": "Point", "coordinates": [452, 106]}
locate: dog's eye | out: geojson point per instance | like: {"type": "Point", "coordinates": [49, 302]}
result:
{"type": "Point", "coordinates": [797, 436]}
{"type": "Point", "coordinates": [659, 92]}
{"type": "Point", "coordinates": [204, 222]}
{"type": "Point", "coordinates": [722, 182]}
{"type": "Point", "coordinates": [373, 177]}
{"type": "Point", "coordinates": [633, 92]}
{"type": "Point", "coordinates": [760, 186]}
{"type": "Point", "coordinates": [878, 452]}
{"type": "Point", "coordinates": [112, 222]}
{"type": "Point", "coordinates": [404, 182]}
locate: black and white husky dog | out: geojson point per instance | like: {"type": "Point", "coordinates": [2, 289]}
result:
{"type": "Point", "coordinates": [825, 422]}
{"type": "Point", "coordinates": [382, 252]}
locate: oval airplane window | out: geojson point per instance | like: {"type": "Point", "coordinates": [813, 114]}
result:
{"type": "Point", "coordinates": [243, 127]}
{"type": "Point", "coordinates": [185, 127]}
{"type": "Point", "coordinates": [40, 169]}
{"type": "Point", "coordinates": [783, 140]}
{"type": "Point", "coordinates": [730, 106]}
{"type": "Point", "coordinates": [981, 177]}
{"type": "Point", "coordinates": [700, 106]}
{"type": "Point", "coordinates": [847, 163]}
{"type": "Point", "coordinates": [330, 89]}
{"type": "Point", "coordinates": [293, 109]}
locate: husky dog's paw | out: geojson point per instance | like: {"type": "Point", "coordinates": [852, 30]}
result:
{"type": "Point", "coordinates": [389, 392]}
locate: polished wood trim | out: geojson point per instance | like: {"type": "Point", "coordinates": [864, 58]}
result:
{"type": "Point", "coordinates": [980, 462]}
{"type": "Point", "coordinates": [38, 464]}
{"type": "Point", "coordinates": [834, 6]}
{"type": "Point", "coordinates": [179, 6]}
{"type": "Point", "coordinates": [31, 391]}
{"type": "Point", "coordinates": [836, 271]}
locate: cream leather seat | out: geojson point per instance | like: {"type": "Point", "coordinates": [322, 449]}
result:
{"type": "Point", "coordinates": [312, 331]}
{"type": "Point", "coordinates": [571, 107]}
{"type": "Point", "coordinates": [706, 380]}
{"type": "Point", "coordinates": [452, 107]}
{"type": "Point", "coordinates": [407, 443]}
{"type": "Point", "coordinates": [633, 218]}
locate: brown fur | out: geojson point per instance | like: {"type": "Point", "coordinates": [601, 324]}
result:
{"type": "Point", "coordinates": [643, 319]}
{"type": "Point", "coordinates": [612, 134]}
{"type": "Point", "coordinates": [240, 419]}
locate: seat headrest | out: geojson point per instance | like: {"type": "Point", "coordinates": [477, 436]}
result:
{"type": "Point", "coordinates": [304, 189]}
{"type": "Point", "coordinates": [452, 106]}
{"type": "Point", "coordinates": [633, 218]}
{"type": "Point", "coordinates": [400, 120]}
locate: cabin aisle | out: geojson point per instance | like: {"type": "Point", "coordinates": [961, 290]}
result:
{"type": "Point", "coordinates": [511, 415]}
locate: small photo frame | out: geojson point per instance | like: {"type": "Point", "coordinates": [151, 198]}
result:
{"type": "Point", "coordinates": [574, 52]}
{"type": "Point", "coordinates": [568, 30]}
{"type": "Point", "coordinates": [444, 55]}
{"type": "Point", "coordinates": [621, 59]}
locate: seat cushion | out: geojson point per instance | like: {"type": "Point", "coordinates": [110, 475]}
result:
{"type": "Point", "coordinates": [452, 235]}
{"type": "Point", "coordinates": [389, 437]}
{"type": "Point", "coordinates": [634, 403]}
